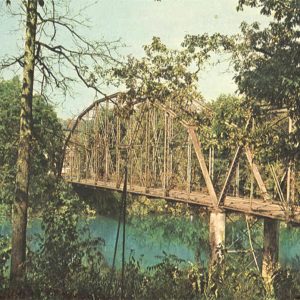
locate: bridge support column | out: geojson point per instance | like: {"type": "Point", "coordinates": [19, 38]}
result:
{"type": "Point", "coordinates": [217, 221]}
{"type": "Point", "coordinates": [270, 252]}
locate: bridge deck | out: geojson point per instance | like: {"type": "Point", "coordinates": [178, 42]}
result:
{"type": "Point", "coordinates": [256, 207]}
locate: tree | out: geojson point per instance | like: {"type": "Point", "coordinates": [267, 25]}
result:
{"type": "Point", "coordinates": [20, 204]}
{"type": "Point", "coordinates": [49, 61]}
{"type": "Point", "coordinates": [223, 132]}
{"type": "Point", "coordinates": [267, 60]}
{"type": "Point", "coordinates": [266, 63]}
{"type": "Point", "coordinates": [164, 75]}
{"type": "Point", "coordinates": [10, 92]}
{"type": "Point", "coordinates": [47, 144]}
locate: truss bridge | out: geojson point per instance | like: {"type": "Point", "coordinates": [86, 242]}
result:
{"type": "Point", "coordinates": [167, 157]}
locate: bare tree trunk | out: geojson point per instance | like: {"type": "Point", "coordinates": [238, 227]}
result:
{"type": "Point", "coordinates": [20, 205]}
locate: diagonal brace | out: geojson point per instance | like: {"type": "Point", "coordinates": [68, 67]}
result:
{"type": "Point", "coordinates": [257, 175]}
{"type": "Point", "coordinates": [200, 156]}
{"type": "Point", "coordinates": [230, 173]}
{"type": "Point", "coordinates": [232, 169]}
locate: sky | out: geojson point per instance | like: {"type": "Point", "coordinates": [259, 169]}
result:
{"type": "Point", "coordinates": [135, 22]}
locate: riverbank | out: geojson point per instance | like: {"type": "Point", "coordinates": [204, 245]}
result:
{"type": "Point", "coordinates": [166, 253]}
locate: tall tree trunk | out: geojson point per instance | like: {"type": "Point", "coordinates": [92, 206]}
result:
{"type": "Point", "coordinates": [20, 205]}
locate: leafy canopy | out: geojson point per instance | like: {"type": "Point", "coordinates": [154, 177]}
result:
{"type": "Point", "coordinates": [47, 142]}
{"type": "Point", "coordinates": [266, 60]}
{"type": "Point", "coordinates": [168, 76]}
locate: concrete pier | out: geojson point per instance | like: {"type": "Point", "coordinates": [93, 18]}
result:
{"type": "Point", "coordinates": [217, 221]}
{"type": "Point", "coordinates": [270, 252]}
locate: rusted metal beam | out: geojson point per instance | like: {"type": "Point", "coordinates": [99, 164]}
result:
{"type": "Point", "coordinates": [147, 150]}
{"type": "Point", "coordinates": [230, 174]}
{"type": "Point", "coordinates": [290, 180]}
{"type": "Point", "coordinates": [232, 169]}
{"type": "Point", "coordinates": [130, 153]}
{"type": "Point", "coordinates": [106, 141]}
{"type": "Point", "coordinates": [237, 180]}
{"type": "Point", "coordinates": [76, 121]}
{"type": "Point", "coordinates": [201, 160]}
{"type": "Point", "coordinates": [96, 141]}
{"type": "Point", "coordinates": [118, 141]}
{"type": "Point", "coordinates": [71, 162]}
{"type": "Point", "coordinates": [165, 163]}
{"type": "Point", "coordinates": [173, 114]}
{"type": "Point", "coordinates": [257, 175]}
{"type": "Point", "coordinates": [189, 165]}
{"type": "Point", "coordinates": [170, 154]}
{"type": "Point", "coordinates": [211, 162]}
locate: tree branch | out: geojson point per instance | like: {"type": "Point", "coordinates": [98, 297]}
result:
{"type": "Point", "coordinates": [61, 51]}
{"type": "Point", "coordinates": [263, 51]}
{"type": "Point", "coordinates": [12, 61]}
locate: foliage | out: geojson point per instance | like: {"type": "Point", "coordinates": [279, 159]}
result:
{"type": "Point", "coordinates": [173, 278]}
{"type": "Point", "coordinates": [286, 284]}
{"type": "Point", "coordinates": [107, 203]}
{"type": "Point", "coordinates": [53, 46]}
{"type": "Point", "coordinates": [4, 257]}
{"type": "Point", "coordinates": [47, 144]}
{"type": "Point", "coordinates": [269, 67]}
{"type": "Point", "coordinates": [222, 132]}
{"type": "Point", "coordinates": [267, 60]}
{"type": "Point", "coordinates": [67, 263]}
{"type": "Point", "coordinates": [232, 282]}
{"type": "Point", "coordinates": [9, 114]}
{"type": "Point", "coordinates": [164, 75]}
{"type": "Point", "coordinates": [267, 135]}
{"type": "Point", "coordinates": [266, 65]}
{"type": "Point", "coordinates": [65, 248]}
{"type": "Point", "coordinates": [141, 206]}
{"type": "Point", "coordinates": [229, 119]}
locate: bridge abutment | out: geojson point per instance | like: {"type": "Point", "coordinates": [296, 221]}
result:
{"type": "Point", "coordinates": [217, 223]}
{"type": "Point", "coordinates": [270, 252]}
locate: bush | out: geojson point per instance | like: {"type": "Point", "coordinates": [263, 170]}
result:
{"type": "Point", "coordinates": [5, 249]}
{"type": "Point", "coordinates": [67, 257]}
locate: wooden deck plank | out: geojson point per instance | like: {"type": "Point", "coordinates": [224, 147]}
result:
{"type": "Point", "coordinates": [259, 207]}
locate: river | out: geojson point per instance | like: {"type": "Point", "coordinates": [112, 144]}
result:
{"type": "Point", "coordinates": [150, 236]}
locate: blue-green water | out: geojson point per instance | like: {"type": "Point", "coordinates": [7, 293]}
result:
{"type": "Point", "coordinates": [147, 238]}
{"type": "Point", "coordinates": [145, 245]}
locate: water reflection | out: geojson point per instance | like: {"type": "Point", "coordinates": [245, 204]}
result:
{"type": "Point", "coordinates": [148, 237]}
{"type": "Point", "coordinates": [186, 237]}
